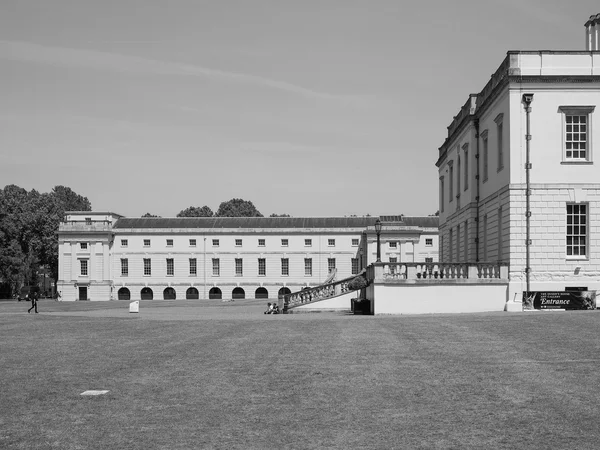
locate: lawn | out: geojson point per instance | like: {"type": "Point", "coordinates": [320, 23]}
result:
{"type": "Point", "coordinates": [193, 374]}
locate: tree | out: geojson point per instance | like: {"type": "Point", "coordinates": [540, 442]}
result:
{"type": "Point", "coordinates": [28, 225]}
{"type": "Point", "coordinates": [196, 211]}
{"type": "Point", "coordinates": [279, 215]}
{"type": "Point", "coordinates": [236, 207]}
{"type": "Point", "coordinates": [149, 215]}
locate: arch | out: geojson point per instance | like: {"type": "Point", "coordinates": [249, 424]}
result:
{"type": "Point", "coordinates": [124, 294]}
{"type": "Point", "coordinates": [147, 294]}
{"type": "Point", "coordinates": [261, 292]}
{"type": "Point", "coordinates": [192, 294]}
{"type": "Point", "coordinates": [169, 294]}
{"type": "Point", "coordinates": [215, 293]}
{"type": "Point", "coordinates": [284, 291]}
{"type": "Point", "coordinates": [238, 292]}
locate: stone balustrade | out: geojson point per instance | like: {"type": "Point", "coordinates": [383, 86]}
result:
{"type": "Point", "coordinates": [317, 293]}
{"type": "Point", "coordinates": [426, 272]}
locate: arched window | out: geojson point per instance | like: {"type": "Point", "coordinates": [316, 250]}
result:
{"type": "Point", "coordinates": [261, 292]}
{"type": "Point", "coordinates": [169, 294]}
{"type": "Point", "coordinates": [147, 294]}
{"type": "Point", "coordinates": [124, 294]}
{"type": "Point", "coordinates": [283, 291]}
{"type": "Point", "coordinates": [192, 294]}
{"type": "Point", "coordinates": [215, 294]}
{"type": "Point", "coordinates": [238, 292]}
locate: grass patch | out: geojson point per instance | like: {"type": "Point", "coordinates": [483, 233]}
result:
{"type": "Point", "coordinates": [208, 375]}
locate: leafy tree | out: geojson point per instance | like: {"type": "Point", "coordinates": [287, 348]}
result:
{"type": "Point", "coordinates": [28, 225]}
{"type": "Point", "coordinates": [279, 215]}
{"type": "Point", "coordinates": [196, 211]}
{"type": "Point", "coordinates": [236, 207]}
{"type": "Point", "coordinates": [149, 215]}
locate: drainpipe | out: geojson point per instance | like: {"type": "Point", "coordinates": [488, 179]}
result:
{"type": "Point", "coordinates": [476, 123]}
{"type": "Point", "coordinates": [527, 99]}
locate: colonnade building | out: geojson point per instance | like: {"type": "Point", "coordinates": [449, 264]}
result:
{"type": "Point", "coordinates": [105, 256]}
{"type": "Point", "coordinates": [519, 171]}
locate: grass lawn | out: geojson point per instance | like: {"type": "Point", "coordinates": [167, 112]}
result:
{"type": "Point", "coordinates": [194, 374]}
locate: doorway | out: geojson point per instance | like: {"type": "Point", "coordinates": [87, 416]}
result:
{"type": "Point", "coordinates": [83, 293]}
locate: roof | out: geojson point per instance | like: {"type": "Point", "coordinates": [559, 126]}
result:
{"type": "Point", "coordinates": [265, 222]}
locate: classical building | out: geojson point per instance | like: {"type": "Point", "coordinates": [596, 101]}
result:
{"type": "Point", "coordinates": [105, 256]}
{"type": "Point", "coordinates": [519, 177]}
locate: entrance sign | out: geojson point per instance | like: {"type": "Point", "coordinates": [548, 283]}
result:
{"type": "Point", "coordinates": [134, 307]}
{"type": "Point", "coordinates": [559, 300]}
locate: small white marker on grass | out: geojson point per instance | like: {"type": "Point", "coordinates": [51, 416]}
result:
{"type": "Point", "coordinates": [94, 392]}
{"type": "Point", "coordinates": [134, 307]}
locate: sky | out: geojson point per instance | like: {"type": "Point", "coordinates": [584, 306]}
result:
{"type": "Point", "coordinates": [306, 107]}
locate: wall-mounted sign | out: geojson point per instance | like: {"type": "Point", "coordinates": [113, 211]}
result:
{"type": "Point", "coordinates": [559, 300]}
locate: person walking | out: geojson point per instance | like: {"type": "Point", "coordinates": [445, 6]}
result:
{"type": "Point", "coordinates": [33, 296]}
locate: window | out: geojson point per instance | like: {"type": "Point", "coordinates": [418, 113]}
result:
{"type": "Point", "coordinates": [330, 264]}
{"type": "Point", "coordinates": [429, 242]}
{"type": "Point", "coordinates": [354, 266]}
{"type": "Point", "coordinates": [216, 265]}
{"type": "Point", "coordinates": [215, 242]}
{"type": "Point", "coordinates": [428, 260]}
{"type": "Point", "coordinates": [441, 194]}
{"type": "Point", "coordinates": [499, 140]}
{"type": "Point", "coordinates": [262, 266]}
{"type": "Point", "coordinates": [192, 242]}
{"type": "Point", "coordinates": [147, 267]}
{"type": "Point", "coordinates": [308, 266]}
{"type": "Point", "coordinates": [500, 240]}
{"type": "Point", "coordinates": [88, 220]}
{"type": "Point", "coordinates": [193, 266]}
{"type": "Point", "coordinates": [83, 264]}
{"type": "Point", "coordinates": [485, 237]}
{"type": "Point", "coordinates": [261, 242]}
{"type": "Point", "coordinates": [124, 267]}
{"type": "Point", "coordinates": [354, 242]}
{"type": "Point", "coordinates": [308, 242]}
{"type": "Point", "coordinates": [238, 242]}
{"type": "Point", "coordinates": [484, 137]}
{"type": "Point", "coordinates": [458, 243]}
{"type": "Point", "coordinates": [83, 245]}
{"type": "Point", "coordinates": [124, 243]}
{"type": "Point", "coordinates": [169, 242]}
{"type": "Point", "coordinates": [576, 230]}
{"type": "Point", "coordinates": [146, 242]}
{"type": "Point", "coordinates": [239, 268]}
{"type": "Point", "coordinates": [466, 164]}
{"type": "Point", "coordinates": [450, 249]}
{"type": "Point", "coordinates": [285, 266]}
{"type": "Point", "coordinates": [576, 133]}
{"type": "Point", "coordinates": [331, 242]}
{"type": "Point", "coordinates": [170, 267]}
{"type": "Point", "coordinates": [392, 266]}
{"type": "Point", "coordinates": [393, 244]}
{"type": "Point", "coordinates": [466, 242]}
{"type": "Point", "coordinates": [284, 242]}
{"type": "Point", "coordinates": [451, 182]}
{"type": "Point", "coordinates": [458, 173]}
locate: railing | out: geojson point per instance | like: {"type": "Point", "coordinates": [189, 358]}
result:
{"type": "Point", "coordinates": [100, 225]}
{"type": "Point", "coordinates": [318, 293]}
{"type": "Point", "coordinates": [386, 271]}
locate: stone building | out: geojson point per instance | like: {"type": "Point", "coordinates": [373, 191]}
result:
{"type": "Point", "coordinates": [106, 256]}
{"type": "Point", "coordinates": [519, 178]}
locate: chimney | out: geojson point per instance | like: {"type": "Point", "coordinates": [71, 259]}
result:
{"type": "Point", "coordinates": [592, 33]}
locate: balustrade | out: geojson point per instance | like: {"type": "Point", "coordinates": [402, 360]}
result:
{"type": "Point", "coordinates": [443, 271]}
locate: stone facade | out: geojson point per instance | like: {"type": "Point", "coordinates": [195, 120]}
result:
{"type": "Point", "coordinates": [105, 256]}
{"type": "Point", "coordinates": [483, 175]}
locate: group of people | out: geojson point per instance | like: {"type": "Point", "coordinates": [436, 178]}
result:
{"type": "Point", "coordinates": [272, 308]}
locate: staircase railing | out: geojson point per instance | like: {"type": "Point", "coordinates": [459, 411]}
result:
{"type": "Point", "coordinates": [321, 292]}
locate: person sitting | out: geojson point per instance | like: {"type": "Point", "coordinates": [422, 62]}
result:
{"type": "Point", "coordinates": [269, 309]}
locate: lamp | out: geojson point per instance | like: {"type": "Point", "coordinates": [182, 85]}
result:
{"type": "Point", "coordinates": [378, 231]}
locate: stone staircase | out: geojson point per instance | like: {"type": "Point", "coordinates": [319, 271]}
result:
{"type": "Point", "coordinates": [322, 292]}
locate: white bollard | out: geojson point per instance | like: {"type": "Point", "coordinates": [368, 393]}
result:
{"type": "Point", "coordinates": [134, 307]}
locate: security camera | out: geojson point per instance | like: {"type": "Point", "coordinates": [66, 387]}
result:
{"type": "Point", "coordinates": [527, 98]}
